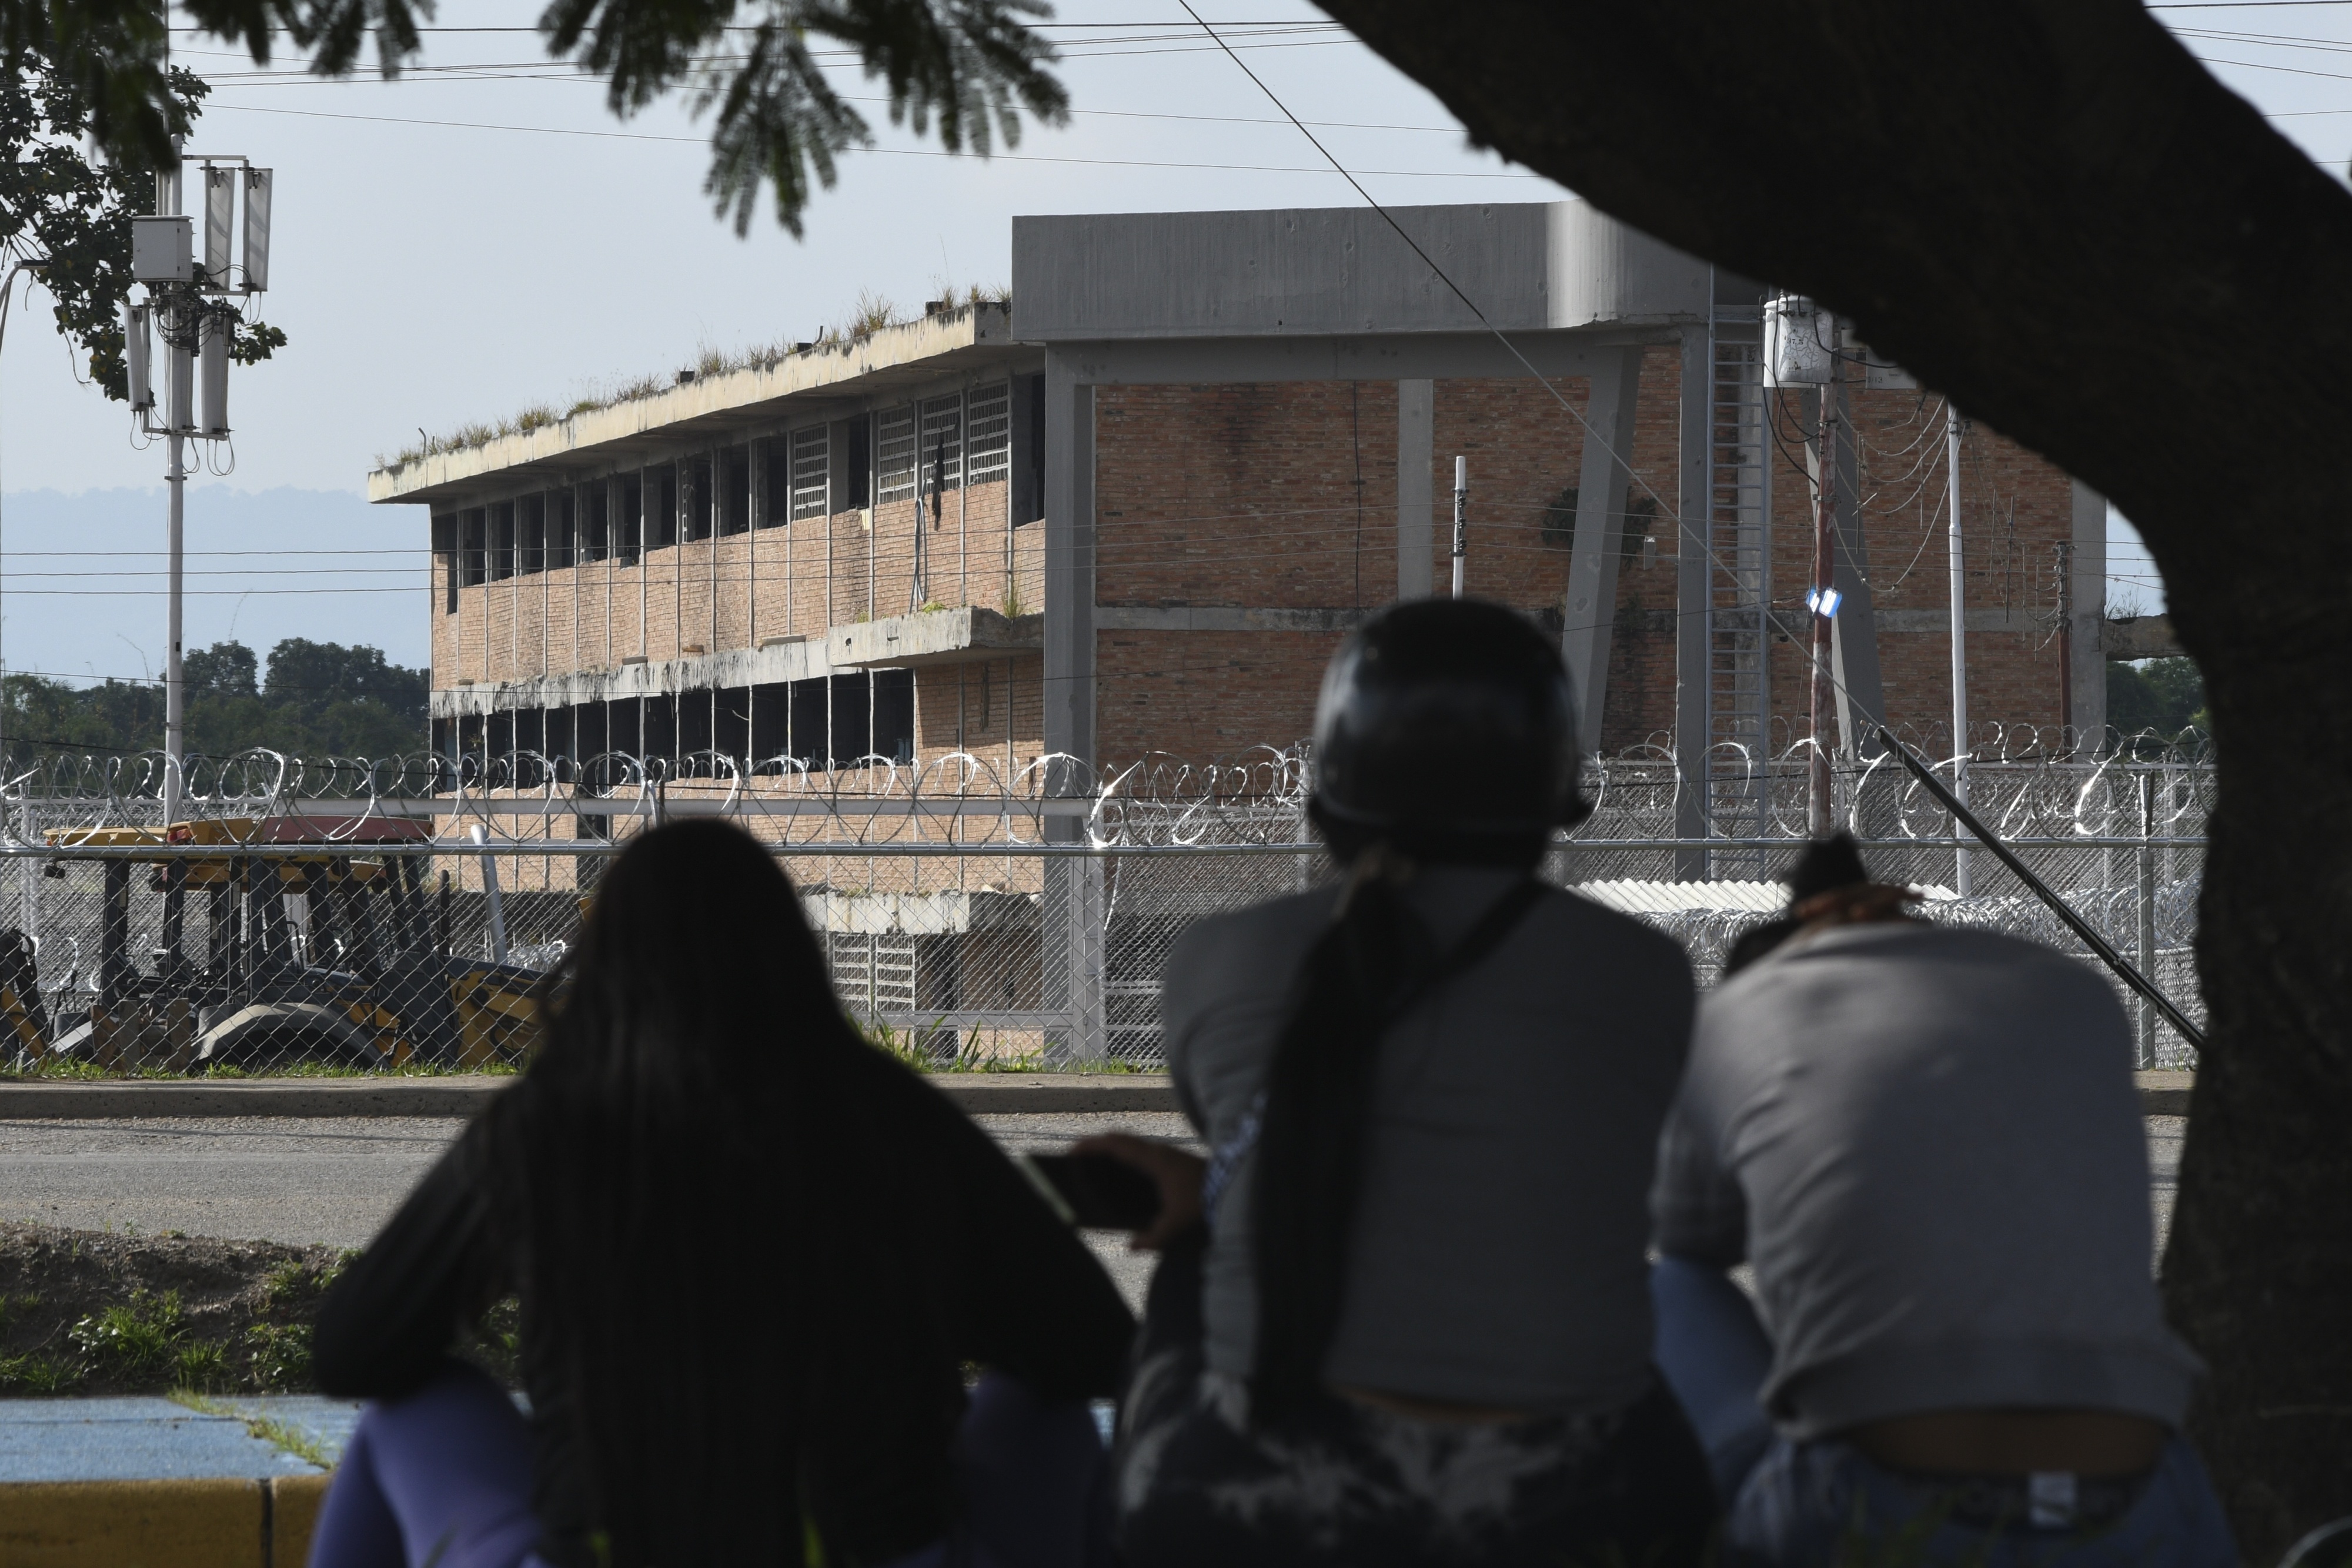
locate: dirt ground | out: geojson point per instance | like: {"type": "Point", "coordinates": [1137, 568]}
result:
{"type": "Point", "coordinates": [85, 1311]}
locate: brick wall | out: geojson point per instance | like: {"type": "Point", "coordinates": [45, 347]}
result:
{"type": "Point", "coordinates": [1282, 496]}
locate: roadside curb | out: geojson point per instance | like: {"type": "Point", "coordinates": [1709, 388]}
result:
{"type": "Point", "coordinates": [2163, 1094]}
{"type": "Point", "coordinates": [218, 1522]}
{"type": "Point", "coordinates": [978, 1093]}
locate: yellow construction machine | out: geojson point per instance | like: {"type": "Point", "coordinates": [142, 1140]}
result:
{"type": "Point", "coordinates": [320, 943]}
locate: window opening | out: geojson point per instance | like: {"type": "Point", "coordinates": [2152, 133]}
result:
{"type": "Point", "coordinates": [562, 535]}
{"type": "Point", "coordinates": [943, 453]}
{"type": "Point", "coordinates": [988, 431]}
{"type": "Point", "coordinates": [502, 541]}
{"type": "Point", "coordinates": [531, 536]}
{"type": "Point", "coordinates": [734, 464]}
{"type": "Point", "coordinates": [894, 454]}
{"type": "Point", "coordinates": [596, 522]}
{"type": "Point", "coordinates": [661, 506]}
{"type": "Point", "coordinates": [695, 474]}
{"type": "Point", "coordinates": [857, 462]}
{"type": "Point", "coordinates": [812, 462]}
{"type": "Point", "coordinates": [633, 521]}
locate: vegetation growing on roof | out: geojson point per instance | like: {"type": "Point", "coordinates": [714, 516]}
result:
{"type": "Point", "coordinates": [871, 313]}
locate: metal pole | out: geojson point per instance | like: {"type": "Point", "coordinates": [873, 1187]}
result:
{"type": "Point", "coordinates": [2148, 1017]}
{"type": "Point", "coordinates": [1960, 643]}
{"type": "Point", "coordinates": [1461, 520]}
{"type": "Point", "coordinates": [178, 410]}
{"type": "Point", "coordinates": [1819, 812]}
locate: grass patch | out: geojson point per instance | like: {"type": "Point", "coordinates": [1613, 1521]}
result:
{"type": "Point", "coordinates": [278, 1433]}
{"type": "Point", "coordinates": [72, 1068]}
{"type": "Point", "coordinates": [85, 1313]}
{"type": "Point", "coordinates": [916, 1048]}
{"type": "Point", "coordinates": [130, 1339]}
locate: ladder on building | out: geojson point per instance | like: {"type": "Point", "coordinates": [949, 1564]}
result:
{"type": "Point", "coordinates": [1739, 532]}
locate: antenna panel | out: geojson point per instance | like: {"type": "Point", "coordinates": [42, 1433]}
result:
{"type": "Point", "coordinates": [258, 184]}
{"type": "Point", "coordinates": [220, 220]}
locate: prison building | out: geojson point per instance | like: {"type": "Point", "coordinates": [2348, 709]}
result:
{"type": "Point", "coordinates": [1132, 511]}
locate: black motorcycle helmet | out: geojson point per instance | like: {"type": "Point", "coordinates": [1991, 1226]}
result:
{"type": "Point", "coordinates": [1446, 728]}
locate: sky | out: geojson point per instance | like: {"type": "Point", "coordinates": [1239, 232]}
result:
{"type": "Point", "coordinates": [482, 234]}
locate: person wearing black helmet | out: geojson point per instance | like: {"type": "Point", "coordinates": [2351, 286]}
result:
{"type": "Point", "coordinates": [1401, 1315]}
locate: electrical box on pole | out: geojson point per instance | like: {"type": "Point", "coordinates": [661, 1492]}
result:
{"type": "Point", "coordinates": [162, 250]}
{"type": "Point", "coordinates": [1800, 342]}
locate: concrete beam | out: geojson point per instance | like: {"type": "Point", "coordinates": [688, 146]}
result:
{"type": "Point", "coordinates": [799, 659]}
{"type": "Point", "coordinates": [1322, 270]}
{"type": "Point", "coordinates": [1981, 618]}
{"type": "Point", "coordinates": [955, 636]}
{"type": "Point", "coordinates": [1588, 618]}
{"type": "Point", "coordinates": [1384, 357]}
{"type": "Point", "coordinates": [1223, 618]}
{"type": "Point", "coordinates": [716, 409]}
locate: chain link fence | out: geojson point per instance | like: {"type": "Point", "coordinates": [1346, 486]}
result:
{"type": "Point", "coordinates": [344, 916]}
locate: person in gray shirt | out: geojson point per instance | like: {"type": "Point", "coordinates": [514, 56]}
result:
{"type": "Point", "coordinates": [1927, 1141]}
{"type": "Point", "coordinates": [1416, 1329]}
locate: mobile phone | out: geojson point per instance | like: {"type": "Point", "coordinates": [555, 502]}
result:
{"type": "Point", "coordinates": [1095, 1192]}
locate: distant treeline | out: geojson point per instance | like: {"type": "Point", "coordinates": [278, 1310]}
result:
{"type": "Point", "coordinates": [317, 699]}
{"type": "Point", "coordinates": [2167, 695]}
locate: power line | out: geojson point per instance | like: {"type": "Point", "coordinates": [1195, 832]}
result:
{"type": "Point", "coordinates": [888, 152]}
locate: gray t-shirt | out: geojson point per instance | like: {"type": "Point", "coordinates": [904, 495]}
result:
{"type": "Point", "coordinates": [1498, 1255]}
{"type": "Point", "coordinates": [1928, 1141]}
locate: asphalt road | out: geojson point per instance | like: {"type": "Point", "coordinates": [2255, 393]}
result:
{"type": "Point", "coordinates": [335, 1181]}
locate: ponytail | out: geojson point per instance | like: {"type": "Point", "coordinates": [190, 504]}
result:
{"type": "Point", "coordinates": [1319, 1095]}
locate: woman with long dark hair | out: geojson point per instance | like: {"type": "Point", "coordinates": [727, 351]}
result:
{"type": "Point", "coordinates": [1415, 1328]}
{"type": "Point", "coordinates": [754, 1257]}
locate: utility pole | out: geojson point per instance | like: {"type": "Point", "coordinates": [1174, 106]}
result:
{"type": "Point", "coordinates": [1821, 808]}
{"type": "Point", "coordinates": [188, 305]}
{"type": "Point", "coordinates": [1959, 646]}
{"type": "Point", "coordinates": [1460, 521]}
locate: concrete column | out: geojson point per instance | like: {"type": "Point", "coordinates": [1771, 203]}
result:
{"type": "Point", "coordinates": [1693, 506]}
{"type": "Point", "coordinates": [1590, 616]}
{"type": "Point", "coordinates": [1073, 912]}
{"type": "Point", "coordinates": [2086, 659]}
{"type": "Point", "coordinates": [1416, 433]}
{"type": "Point", "coordinates": [1069, 632]}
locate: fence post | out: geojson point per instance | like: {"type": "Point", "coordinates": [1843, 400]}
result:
{"type": "Point", "coordinates": [490, 899]}
{"type": "Point", "coordinates": [1089, 1036]}
{"type": "Point", "coordinates": [2148, 1017]}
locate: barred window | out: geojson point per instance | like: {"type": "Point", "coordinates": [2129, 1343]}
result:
{"type": "Point", "coordinates": [893, 452]}
{"type": "Point", "coordinates": [941, 458]}
{"type": "Point", "coordinates": [988, 430]}
{"type": "Point", "coordinates": [810, 459]}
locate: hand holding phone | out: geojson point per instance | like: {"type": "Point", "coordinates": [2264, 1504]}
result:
{"type": "Point", "coordinates": [1096, 1191]}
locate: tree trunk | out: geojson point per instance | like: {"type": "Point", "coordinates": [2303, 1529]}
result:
{"type": "Point", "coordinates": [2050, 211]}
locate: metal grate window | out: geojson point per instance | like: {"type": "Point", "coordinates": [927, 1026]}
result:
{"type": "Point", "coordinates": [941, 457]}
{"type": "Point", "coordinates": [893, 456]}
{"type": "Point", "coordinates": [811, 461]}
{"type": "Point", "coordinates": [987, 432]}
